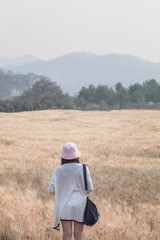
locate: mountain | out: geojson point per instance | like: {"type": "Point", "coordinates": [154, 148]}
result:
{"type": "Point", "coordinates": [8, 63]}
{"type": "Point", "coordinates": [74, 70]}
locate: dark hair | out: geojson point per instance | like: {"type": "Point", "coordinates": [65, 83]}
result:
{"type": "Point", "coordinates": [64, 161]}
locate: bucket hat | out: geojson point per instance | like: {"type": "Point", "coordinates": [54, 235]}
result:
{"type": "Point", "coordinates": [70, 151]}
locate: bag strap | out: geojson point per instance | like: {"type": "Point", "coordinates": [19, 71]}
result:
{"type": "Point", "coordinates": [85, 176]}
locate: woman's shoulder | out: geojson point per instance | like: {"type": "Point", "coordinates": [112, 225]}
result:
{"type": "Point", "coordinates": [68, 166]}
{"type": "Point", "coordinates": [57, 169]}
{"type": "Point", "coordinates": [71, 165]}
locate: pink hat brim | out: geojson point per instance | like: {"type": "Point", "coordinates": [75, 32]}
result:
{"type": "Point", "coordinates": [68, 156]}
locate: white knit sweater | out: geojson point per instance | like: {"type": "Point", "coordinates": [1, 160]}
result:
{"type": "Point", "coordinates": [66, 179]}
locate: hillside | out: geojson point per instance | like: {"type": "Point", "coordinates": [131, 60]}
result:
{"type": "Point", "coordinates": [74, 70]}
{"type": "Point", "coordinates": [8, 63]}
{"type": "Point", "coordinates": [121, 149]}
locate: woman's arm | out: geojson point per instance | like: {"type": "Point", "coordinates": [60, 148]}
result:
{"type": "Point", "coordinates": [89, 181]}
{"type": "Point", "coordinates": [51, 188]}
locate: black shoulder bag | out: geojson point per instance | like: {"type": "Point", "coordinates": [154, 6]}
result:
{"type": "Point", "coordinates": [91, 214]}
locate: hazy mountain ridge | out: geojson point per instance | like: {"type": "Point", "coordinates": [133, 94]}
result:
{"type": "Point", "coordinates": [8, 63]}
{"type": "Point", "coordinates": [74, 70]}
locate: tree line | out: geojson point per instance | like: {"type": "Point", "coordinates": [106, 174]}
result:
{"type": "Point", "coordinates": [45, 94]}
{"type": "Point", "coordinates": [15, 84]}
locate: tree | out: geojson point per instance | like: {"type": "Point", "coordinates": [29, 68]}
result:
{"type": "Point", "coordinates": [44, 95]}
{"type": "Point", "coordinates": [119, 87]}
{"type": "Point", "coordinates": [80, 103]}
{"type": "Point", "coordinates": [151, 91]}
{"type": "Point", "coordinates": [6, 84]}
{"type": "Point", "coordinates": [157, 94]}
{"type": "Point", "coordinates": [84, 94]}
{"type": "Point", "coordinates": [101, 93]}
{"type": "Point", "coordinates": [121, 95]}
{"type": "Point", "coordinates": [67, 101]}
{"type": "Point", "coordinates": [15, 84]}
{"type": "Point", "coordinates": [86, 97]}
{"type": "Point", "coordinates": [136, 94]}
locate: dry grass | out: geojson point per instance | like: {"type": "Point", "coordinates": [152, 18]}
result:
{"type": "Point", "coordinates": [122, 150]}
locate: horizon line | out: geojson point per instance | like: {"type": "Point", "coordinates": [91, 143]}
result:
{"type": "Point", "coordinates": [76, 52]}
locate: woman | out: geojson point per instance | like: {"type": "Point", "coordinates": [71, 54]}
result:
{"type": "Point", "coordinates": [67, 183]}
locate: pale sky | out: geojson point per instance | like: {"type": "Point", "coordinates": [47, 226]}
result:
{"type": "Point", "coordinates": [51, 28]}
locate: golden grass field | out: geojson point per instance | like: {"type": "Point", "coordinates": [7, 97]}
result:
{"type": "Point", "coordinates": [122, 151]}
